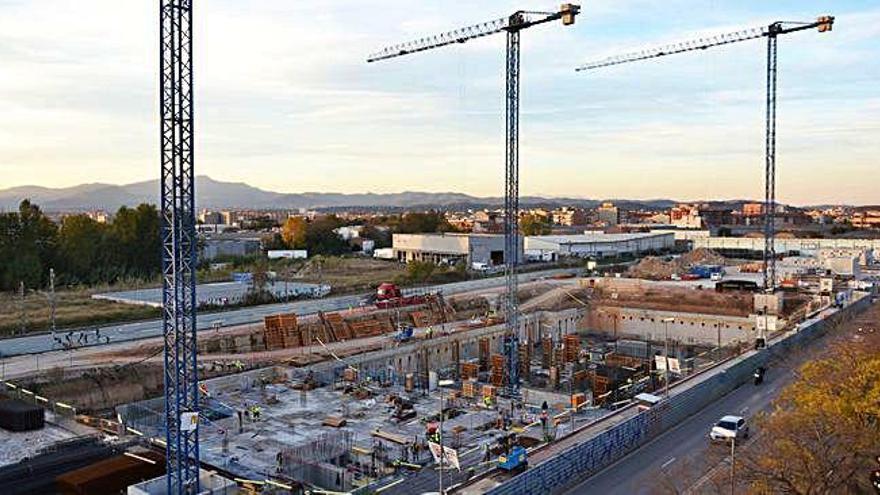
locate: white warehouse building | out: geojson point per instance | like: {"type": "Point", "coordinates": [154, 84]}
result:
{"type": "Point", "coordinates": [598, 245]}
{"type": "Point", "coordinates": [450, 248]}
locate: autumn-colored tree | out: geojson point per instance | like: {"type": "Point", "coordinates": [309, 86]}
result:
{"type": "Point", "coordinates": [825, 429]}
{"type": "Point", "coordinates": [294, 232]}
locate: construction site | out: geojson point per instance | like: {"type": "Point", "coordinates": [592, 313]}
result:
{"type": "Point", "coordinates": [352, 400]}
{"type": "Point", "coordinates": [420, 391]}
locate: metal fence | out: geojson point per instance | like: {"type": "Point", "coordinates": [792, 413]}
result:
{"type": "Point", "coordinates": [581, 461]}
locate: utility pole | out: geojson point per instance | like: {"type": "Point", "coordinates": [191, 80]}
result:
{"type": "Point", "coordinates": [52, 300]}
{"type": "Point", "coordinates": [22, 312]}
{"type": "Point", "coordinates": [440, 385]}
{"type": "Point", "coordinates": [666, 322]}
{"type": "Point", "coordinates": [732, 465]}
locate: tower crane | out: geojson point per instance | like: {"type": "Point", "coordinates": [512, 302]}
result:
{"type": "Point", "coordinates": [512, 25]}
{"type": "Point", "coordinates": [178, 247]}
{"type": "Point", "coordinates": [771, 32]}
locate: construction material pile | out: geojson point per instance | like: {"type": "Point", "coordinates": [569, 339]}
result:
{"type": "Point", "coordinates": [284, 331]}
{"type": "Point", "coordinates": [659, 268]}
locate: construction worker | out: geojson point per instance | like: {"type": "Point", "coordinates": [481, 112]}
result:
{"type": "Point", "coordinates": [255, 412]}
{"type": "Point", "coordinates": [429, 333]}
{"type": "Point", "coordinates": [487, 401]}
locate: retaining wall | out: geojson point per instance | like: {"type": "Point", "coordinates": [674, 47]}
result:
{"type": "Point", "coordinates": [578, 463]}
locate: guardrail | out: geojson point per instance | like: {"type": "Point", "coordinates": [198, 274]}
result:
{"type": "Point", "coordinates": [577, 463]}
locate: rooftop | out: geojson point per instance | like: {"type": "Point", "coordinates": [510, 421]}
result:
{"type": "Point", "coordinates": [596, 237]}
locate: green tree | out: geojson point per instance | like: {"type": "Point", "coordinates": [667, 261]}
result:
{"type": "Point", "coordinates": [320, 237]}
{"type": "Point", "coordinates": [381, 237]}
{"type": "Point", "coordinates": [420, 271]}
{"type": "Point", "coordinates": [28, 242]}
{"type": "Point", "coordinates": [81, 243]}
{"type": "Point", "coordinates": [531, 224]}
{"type": "Point", "coordinates": [432, 221]}
{"type": "Point", "coordinates": [136, 237]}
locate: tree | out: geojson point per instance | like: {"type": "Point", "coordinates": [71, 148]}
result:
{"type": "Point", "coordinates": [531, 224]}
{"type": "Point", "coordinates": [28, 243]}
{"type": "Point", "coordinates": [381, 237]}
{"type": "Point", "coordinates": [320, 237]}
{"type": "Point", "coordinates": [823, 433]}
{"type": "Point", "coordinates": [294, 232]}
{"type": "Point", "coordinates": [415, 223]}
{"type": "Point", "coordinates": [81, 243]}
{"type": "Point", "coordinates": [136, 238]}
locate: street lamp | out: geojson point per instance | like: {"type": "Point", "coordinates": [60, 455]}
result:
{"type": "Point", "coordinates": [666, 322]}
{"type": "Point", "coordinates": [441, 384]}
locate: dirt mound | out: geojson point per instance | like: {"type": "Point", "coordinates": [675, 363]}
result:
{"type": "Point", "coordinates": [657, 268]}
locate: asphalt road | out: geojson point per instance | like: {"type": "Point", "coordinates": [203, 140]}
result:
{"type": "Point", "coordinates": [675, 461]}
{"type": "Point", "coordinates": [31, 344]}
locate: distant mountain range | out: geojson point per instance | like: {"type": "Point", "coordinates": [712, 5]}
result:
{"type": "Point", "coordinates": [213, 194]}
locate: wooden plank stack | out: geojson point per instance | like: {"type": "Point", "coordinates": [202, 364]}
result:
{"type": "Point", "coordinates": [469, 370]}
{"type": "Point", "coordinates": [496, 372]}
{"type": "Point", "coordinates": [572, 348]}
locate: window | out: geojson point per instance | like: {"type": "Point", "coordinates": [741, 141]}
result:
{"type": "Point", "coordinates": [727, 425]}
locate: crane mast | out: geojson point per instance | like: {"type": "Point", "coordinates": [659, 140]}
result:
{"type": "Point", "coordinates": [771, 32]}
{"type": "Point", "coordinates": [178, 247]}
{"type": "Point", "coordinates": [512, 26]}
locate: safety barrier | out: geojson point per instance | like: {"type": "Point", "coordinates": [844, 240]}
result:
{"type": "Point", "coordinates": [583, 460]}
{"type": "Point", "coordinates": [24, 394]}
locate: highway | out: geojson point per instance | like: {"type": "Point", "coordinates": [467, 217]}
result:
{"type": "Point", "coordinates": [37, 343]}
{"type": "Point", "coordinates": [677, 460]}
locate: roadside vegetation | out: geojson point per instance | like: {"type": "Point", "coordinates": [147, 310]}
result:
{"type": "Point", "coordinates": [74, 308]}
{"type": "Point", "coordinates": [823, 434]}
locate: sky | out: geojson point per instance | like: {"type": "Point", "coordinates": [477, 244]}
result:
{"type": "Point", "coordinates": [285, 100]}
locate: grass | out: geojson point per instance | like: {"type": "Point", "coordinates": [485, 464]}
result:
{"type": "Point", "coordinates": [74, 308]}
{"type": "Point", "coordinates": [349, 274]}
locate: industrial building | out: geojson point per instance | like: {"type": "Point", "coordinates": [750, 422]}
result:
{"type": "Point", "coordinates": [226, 244]}
{"type": "Point", "coordinates": [473, 249]}
{"type": "Point", "coordinates": [599, 245]}
{"type": "Point", "coordinates": [868, 248]}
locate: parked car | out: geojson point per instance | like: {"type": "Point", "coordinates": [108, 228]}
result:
{"type": "Point", "coordinates": [729, 428]}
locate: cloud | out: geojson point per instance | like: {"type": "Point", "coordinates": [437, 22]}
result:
{"type": "Point", "coordinates": [285, 99]}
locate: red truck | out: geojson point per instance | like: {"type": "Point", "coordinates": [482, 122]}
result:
{"type": "Point", "coordinates": [389, 295]}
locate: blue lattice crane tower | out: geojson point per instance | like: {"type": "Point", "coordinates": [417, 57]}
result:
{"type": "Point", "coordinates": [512, 26]}
{"type": "Point", "coordinates": [771, 32]}
{"type": "Point", "coordinates": [178, 247]}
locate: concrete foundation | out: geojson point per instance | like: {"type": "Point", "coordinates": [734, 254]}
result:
{"type": "Point", "coordinates": [210, 483]}
{"type": "Point", "coordinates": [687, 328]}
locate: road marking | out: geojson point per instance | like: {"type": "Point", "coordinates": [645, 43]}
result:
{"type": "Point", "coordinates": [670, 461]}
